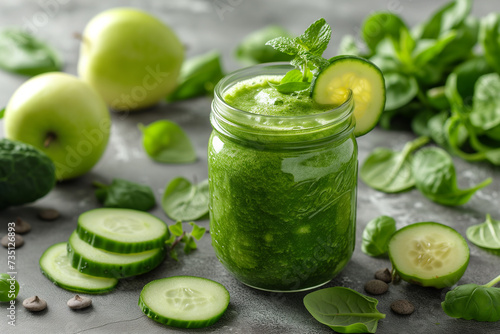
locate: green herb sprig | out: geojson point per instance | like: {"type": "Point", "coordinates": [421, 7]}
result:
{"type": "Point", "coordinates": [180, 236]}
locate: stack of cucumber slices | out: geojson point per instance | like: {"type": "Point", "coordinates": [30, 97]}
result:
{"type": "Point", "coordinates": [108, 244]}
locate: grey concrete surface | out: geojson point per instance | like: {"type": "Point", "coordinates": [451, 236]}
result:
{"type": "Point", "coordinates": [202, 26]}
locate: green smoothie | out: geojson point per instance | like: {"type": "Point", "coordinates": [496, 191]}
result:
{"type": "Point", "coordinates": [282, 218]}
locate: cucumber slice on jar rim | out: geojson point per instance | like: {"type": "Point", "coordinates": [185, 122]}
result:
{"type": "Point", "coordinates": [184, 301]}
{"type": "Point", "coordinates": [354, 74]}
{"type": "Point", "coordinates": [429, 254]}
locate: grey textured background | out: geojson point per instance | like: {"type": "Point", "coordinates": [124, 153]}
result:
{"type": "Point", "coordinates": [202, 26]}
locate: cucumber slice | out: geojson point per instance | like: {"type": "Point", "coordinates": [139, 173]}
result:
{"type": "Point", "coordinates": [97, 262]}
{"type": "Point", "coordinates": [347, 74]}
{"type": "Point", "coordinates": [122, 230]}
{"type": "Point", "coordinates": [429, 254]}
{"type": "Point", "coordinates": [184, 301]}
{"type": "Point", "coordinates": [55, 264]}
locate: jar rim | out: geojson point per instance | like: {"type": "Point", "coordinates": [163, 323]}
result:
{"type": "Point", "coordinates": [222, 85]}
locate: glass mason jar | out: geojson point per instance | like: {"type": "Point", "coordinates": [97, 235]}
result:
{"type": "Point", "coordinates": [282, 191]}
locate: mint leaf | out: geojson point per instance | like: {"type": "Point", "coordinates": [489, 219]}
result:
{"type": "Point", "coordinates": [198, 232]}
{"type": "Point", "coordinates": [176, 229]}
{"type": "Point", "coordinates": [285, 45]}
{"type": "Point", "coordinates": [189, 245]}
{"type": "Point", "coordinates": [291, 87]}
{"type": "Point", "coordinates": [292, 76]}
{"type": "Point", "coordinates": [316, 38]}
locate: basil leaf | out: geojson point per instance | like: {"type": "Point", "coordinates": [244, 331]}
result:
{"type": "Point", "coordinates": [253, 49]}
{"type": "Point", "coordinates": [316, 37]}
{"type": "Point", "coordinates": [379, 26]}
{"type": "Point", "coordinates": [435, 177]}
{"type": "Point", "coordinates": [446, 18]}
{"type": "Point", "coordinates": [390, 171]}
{"type": "Point", "coordinates": [185, 201]}
{"type": "Point", "coordinates": [428, 50]}
{"type": "Point", "coordinates": [198, 77]}
{"type": "Point", "coordinates": [473, 302]}
{"type": "Point", "coordinates": [485, 113]}
{"type": "Point", "coordinates": [377, 234]}
{"type": "Point", "coordinates": [23, 54]}
{"type": "Point", "coordinates": [165, 141]}
{"type": "Point", "coordinates": [489, 36]}
{"type": "Point", "coordinates": [459, 88]}
{"type": "Point", "coordinates": [348, 46]}
{"type": "Point", "coordinates": [400, 90]}
{"type": "Point", "coordinates": [125, 194]}
{"type": "Point", "coordinates": [344, 310]}
{"type": "Point", "coordinates": [486, 235]}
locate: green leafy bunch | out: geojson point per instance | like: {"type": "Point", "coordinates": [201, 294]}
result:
{"type": "Point", "coordinates": [442, 76]}
{"type": "Point", "coordinates": [307, 50]}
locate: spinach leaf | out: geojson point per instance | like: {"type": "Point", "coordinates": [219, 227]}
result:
{"type": "Point", "coordinates": [165, 141]}
{"type": "Point", "coordinates": [377, 234]}
{"type": "Point", "coordinates": [474, 302]}
{"type": "Point", "coordinates": [23, 54]}
{"type": "Point", "coordinates": [486, 235]}
{"type": "Point", "coordinates": [436, 128]}
{"type": "Point", "coordinates": [435, 177]}
{"type": "Point", "coordinates": [429, 50]}
{"type": "Point", "coordinates": [185, 201]}
{"type": "Point", "coordinates": [461, 47]}
{"type": "Point", "coordinates": [390, 171]}
{"type": "Point", "coordinates": [344, 310]}
{"type": "Point", "coordinates": [420, 120]}
{"type": "Point", "coordinates": [253, 49]}
{"type": "Point", "coordinates": [381, 25]}
{"type": "Point", "coordinates": [400, 90]}
{"type": "Point", "coordinates": [125, 194]}
{"type": "Point", "coordinates": [198, 76]}
{"type": "Point", "coordinates": [489, 36]}
{"type": "Point", "coordinates": [437, 98]}
{"type": "Point", "coordinates": [485, 113]}
{"type": "Point", "coordinates": [446, 18]}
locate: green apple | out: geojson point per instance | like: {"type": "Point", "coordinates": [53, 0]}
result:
{"type": "Point", "coordinates": [130, 57]}
{"type": "Point", "coordinates": [62, 116]}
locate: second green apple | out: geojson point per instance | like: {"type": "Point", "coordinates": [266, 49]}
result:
{"type": "Point", "coordinates": [130, 57]}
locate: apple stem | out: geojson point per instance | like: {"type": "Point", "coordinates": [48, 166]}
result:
{"type": "Point", "coordinates": [49, 139]}
{"type": "Point", "coordinates": [81, 38]}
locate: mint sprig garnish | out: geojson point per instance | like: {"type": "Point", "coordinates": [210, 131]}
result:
{"type": "Point", "coordinates": [307, 50]}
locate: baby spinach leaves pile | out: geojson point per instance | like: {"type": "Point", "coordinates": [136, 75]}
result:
{"type": "Point", "coordinates": [307, 50]}
{"type": "Point", "coordinates": [485, 235]}
{"type": "Point", "coordinates": [26, 55]}
{"type": "Point", "coordinates": [125, 194]}
{"type": "Point", "coordinates": [442, 76]}
{"type": "Point", "coordinates": [430, 170]}
{"type": "Point", "coordinates": [179, 236]}
{"type": "Point", "coordinates": [344, 310]}
{"type": "Point", "coordinates": [472, 301]}
{"type": "Point", "coordinates": [377, 234]}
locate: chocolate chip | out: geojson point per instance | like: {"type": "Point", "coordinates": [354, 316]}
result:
{"type": "Point", "coordinates": [376, 287]}
{"type": "Point", "coordinates": [48, 214]}
{"type": "Point", "coordinates": [78, 302]}
{"type": "Point", "coordinates": [384, 275]}
{"type": "Point", "coordinates": [17, 242]}
{"type": "Point", "coordinates": [35, 304]}
{"type": "Point", "coordinates": [402, 306]}
{"type": "Point", "coordinates": [22, 226]}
